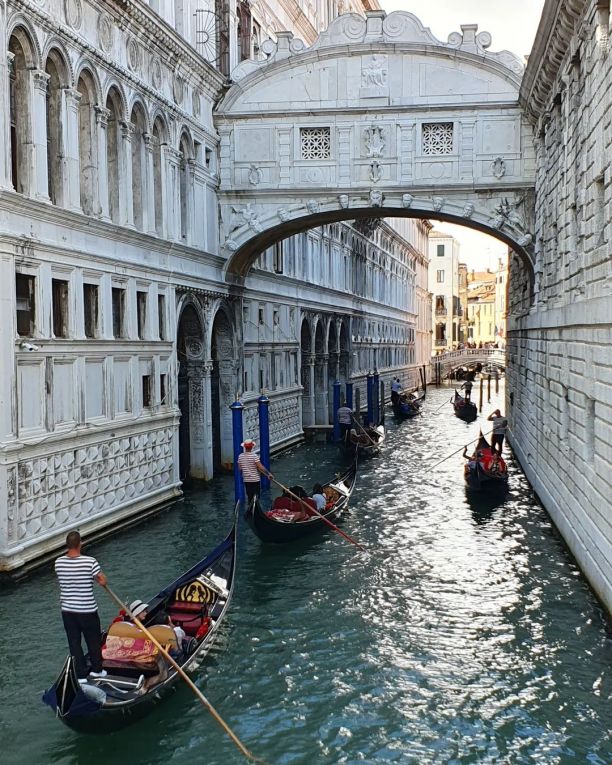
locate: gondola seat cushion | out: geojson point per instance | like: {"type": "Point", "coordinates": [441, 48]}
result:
{"type": "Point", "coordinates": [125, 642]}
{"type": "Point", "coordinates": [189, 618]}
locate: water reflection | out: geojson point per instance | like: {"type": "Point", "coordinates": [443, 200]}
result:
{"type": "Point", "coordinates": [464, 634]}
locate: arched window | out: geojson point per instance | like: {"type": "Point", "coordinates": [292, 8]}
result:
{"type": "Point", "coordinates": [157, 140]}
{"type": "Point", "coordinates": [138, 164]}
{"type": "Point", "coordinates": [87, 156]}
{"type": "Point", "coordinates": [56, 69]}
{"type": "Point", "coordinates": [184, 185]}
{"type": "Point", "coordinates": [113, 142]}
{"type": "Point", "coordinates": [20, 57]}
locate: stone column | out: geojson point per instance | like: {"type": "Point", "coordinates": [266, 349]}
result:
{"type": "Point", "coordinates": [39, 177]}
{"type": "Point", "coordinates": [200, 420]}
{"type": "Point", "coordinates": [321, 392]}
{"type": "Point", "coordinates": [6, 181]}
{"type": "Point", "coordinates": [102, 116]}
{"type": "Point", "coordinates": [8, 333]}
{"type": "Point", "coordinates": [72, 99]}
{"type": "Point", "coordinates": [172, 159]}
{"type": "Point", "coordinates": [308, 397]}
{"type": "Point", "coordinates": [148, 195]}
{"type": "Point", "coordinates": [126, 205]}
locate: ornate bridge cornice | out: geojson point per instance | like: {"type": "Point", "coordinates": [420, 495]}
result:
{"type": "Point", "coordinates": [551, 47]}
{"type": "Point", "coordinates": [251, 223]}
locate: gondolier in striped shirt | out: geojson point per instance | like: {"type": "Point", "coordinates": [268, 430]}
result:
{"type": "Point", "coordinates": [76, 574]}
{"type": "Point", "coordinates": [251, 468]}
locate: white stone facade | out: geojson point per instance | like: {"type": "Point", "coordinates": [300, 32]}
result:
{"type": "Point", "coordinates": [444, 251]}
{"type": "Point", "coordinates": [121, 344]}
{"type": "Point", "coordinates": [559, 339]}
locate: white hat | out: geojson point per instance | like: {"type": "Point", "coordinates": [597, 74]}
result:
{"type": "Point", "coordinates": [137, 607]}
{"type": "Point", "coordinates": [248, 443]}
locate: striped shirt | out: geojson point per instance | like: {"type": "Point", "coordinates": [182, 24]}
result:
{"type": "Point", "coordinates": [76, 577]}
{"type": "Point", "coordinates": [247, 462]}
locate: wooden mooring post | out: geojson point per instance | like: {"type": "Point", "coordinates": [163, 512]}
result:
{"type": "Point", "coordinates": [481, 392]}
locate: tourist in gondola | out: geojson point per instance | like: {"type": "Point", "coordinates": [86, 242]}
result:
{"type": "Point", "coordinates": [76, 573]}
{"type": "Point", "coordinates": [500, 426]}
{"type": "Point", "coordinates": [318, 497]}
{"type": "Point", "coordinates": [251, 468]}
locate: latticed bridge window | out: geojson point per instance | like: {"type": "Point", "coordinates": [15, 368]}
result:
{"type": "Point", "coordinates": [438, 138]}
{"type": "Point", "coordinates": [315, 143]}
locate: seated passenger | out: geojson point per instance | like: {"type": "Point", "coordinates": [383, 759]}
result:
{"type": "Point", "coordinates": [319, 497]}
{"type": "Point", "coordinates": [140, 611]}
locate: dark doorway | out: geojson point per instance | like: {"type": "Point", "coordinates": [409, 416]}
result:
{"type": "Point", "coordinates": [221, 393]}
{"type": "Point", "coordinates": [189, 337]}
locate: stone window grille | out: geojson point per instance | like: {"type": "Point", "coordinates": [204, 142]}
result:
{"type": "Point", "coordinates": [315, 143]}
{"type": "Point", "coordinates": [437, 138]}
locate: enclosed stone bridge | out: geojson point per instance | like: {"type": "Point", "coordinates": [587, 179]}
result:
{"type": "Point", "coordinates": [467, 357]}
{"type": "Point", "coordinates": [377, 118]}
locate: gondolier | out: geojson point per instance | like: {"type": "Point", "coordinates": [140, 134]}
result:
{"type": "Point", "coordinates": [345, 419]}
{"type": "Point", "coordinates": [76, 574]}
{"type": "Point", "coordinates": [500, 426]}
{"type": "Point", "coordinates": [251, 468]}
{"type": "Point", "coordinates": [396, 389]}
{"type": "Point", "coordinates": [467, 386]}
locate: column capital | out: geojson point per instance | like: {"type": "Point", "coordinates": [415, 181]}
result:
{"type": "Point", "coordinates": [172, 154]}
{"type": "Point", "coordinates": [73, 97]}
{"type": "Point", "coordinates": [102, 115]}
{"type": "Point", "coordinates": [127, 129]}
{"type": "Point", "coordinates": [40, 79]}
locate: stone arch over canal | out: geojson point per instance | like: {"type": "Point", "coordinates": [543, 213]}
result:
{"type": "Point", "coordinates": [377, 118]}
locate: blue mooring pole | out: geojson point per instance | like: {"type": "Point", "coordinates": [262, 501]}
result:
{"type": "Point", "coordinates": [370, 389]}
{"type": "Point", "coordinates": [376, 398]}
{"type": "Point", "coordinates": [336, 406]}
{"type": "Point", "coordinates": [237, 408]}
{"type": "Point", "coordinates": [349, 395]}
{"type": "Point", "coordinates": [263, 409]}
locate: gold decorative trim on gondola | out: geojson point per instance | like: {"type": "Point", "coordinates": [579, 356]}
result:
{"type": "Point", "coordinates": [195, 592]}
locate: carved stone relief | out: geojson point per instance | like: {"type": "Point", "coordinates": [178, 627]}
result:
{"type": "Point", "coordinates": [133, 55]}
{"type": "Point", "coordinates": [376, 198]}
{"type": "Point", "coordinates": [255, 175]}
{"type": "Point", "coordinates": [407, 200]}
{"type": "Point", "coordinates": [156, 73]}
{"type": "Point", "coordinates": [74, 13]}
{"type": "Point", "coordinates": [375, 172]}
{"type": "Point", "coordinates": [105, 32]}
{"type": "Point", "coordinates": [374, 138]}
{"type": "Point", "coordinates": [498, 168]}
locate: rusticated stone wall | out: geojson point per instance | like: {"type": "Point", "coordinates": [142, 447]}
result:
{"type": "Point", "coordinates": [560, 340]}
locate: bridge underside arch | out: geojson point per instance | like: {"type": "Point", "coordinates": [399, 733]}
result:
{"type": "Point", "coordinates": [376, 118]}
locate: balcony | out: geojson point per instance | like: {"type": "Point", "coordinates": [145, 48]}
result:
{"type": "Point", "coordinates": [441, 312]}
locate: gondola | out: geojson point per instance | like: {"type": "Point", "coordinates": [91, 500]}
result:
{"type": "Point", "coordinates": [366, 445]}
{"type": "Point", "coordinates": [487, 471]}
{"type": "Point", "coordinates": [407, 408]}
{"type": "Point", "coordinates": [197, 601]}
{"type": "Point", "coordinates": [278, 527]}
{"type": "Point", "coordinates": [465, 410]}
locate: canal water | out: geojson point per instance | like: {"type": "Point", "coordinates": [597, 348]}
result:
{"type": "Point", "coordinates": [464, 634]}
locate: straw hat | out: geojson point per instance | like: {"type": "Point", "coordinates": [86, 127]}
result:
{"type": "Point", "coordinates": [137, 607]}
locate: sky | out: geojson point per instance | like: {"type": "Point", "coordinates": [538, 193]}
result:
{"type": "Point", "coordinates": [513, 25]}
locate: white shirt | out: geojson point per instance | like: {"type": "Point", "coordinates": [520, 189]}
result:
{"type": "Point", "coordinates": [500, 424]}
{"type": "Point", "coordinates": [247, 462]}
{"type": "Point", "coordinates": [396, 386]}
{"type": "Point", "coordinates": [344, 415]}
{"type": "Point", "coordinates": [320, 502]}
{"type": "Point", "coordinates": [76, 577]}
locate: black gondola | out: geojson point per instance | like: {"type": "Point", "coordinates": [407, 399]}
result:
{"type": "Point", "coordinates": [277, 530]}
{"type": "Point", "coordinates": [465, 410]}
{"type": "Point", "coordinates": [197, 601]}
{"type": "Point", "coordinates": [366, 441]}
{"type": "Point", "coordinates": [407, 407]}
{"type": "Point", "coordinates": [487, 470]}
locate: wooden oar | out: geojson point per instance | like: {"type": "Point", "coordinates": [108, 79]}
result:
{"type": "Point", "coordinates": [365, 432]}
{"type": "Point", "coordinates": [249, 755]}
{"type": "Point", "coordinates": [458, 450]}
{"type": "Point", "coordinates": [318, 514]}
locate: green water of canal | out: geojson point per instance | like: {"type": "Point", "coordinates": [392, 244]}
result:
{"type": "Point", "coordinates": [465, 633]}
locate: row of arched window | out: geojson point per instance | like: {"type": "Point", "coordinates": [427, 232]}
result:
{"type": "Point", "coordinates": [119, 166]}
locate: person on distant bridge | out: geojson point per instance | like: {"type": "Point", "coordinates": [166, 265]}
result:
{"type": "Point", "coordinates": [500, 426]}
